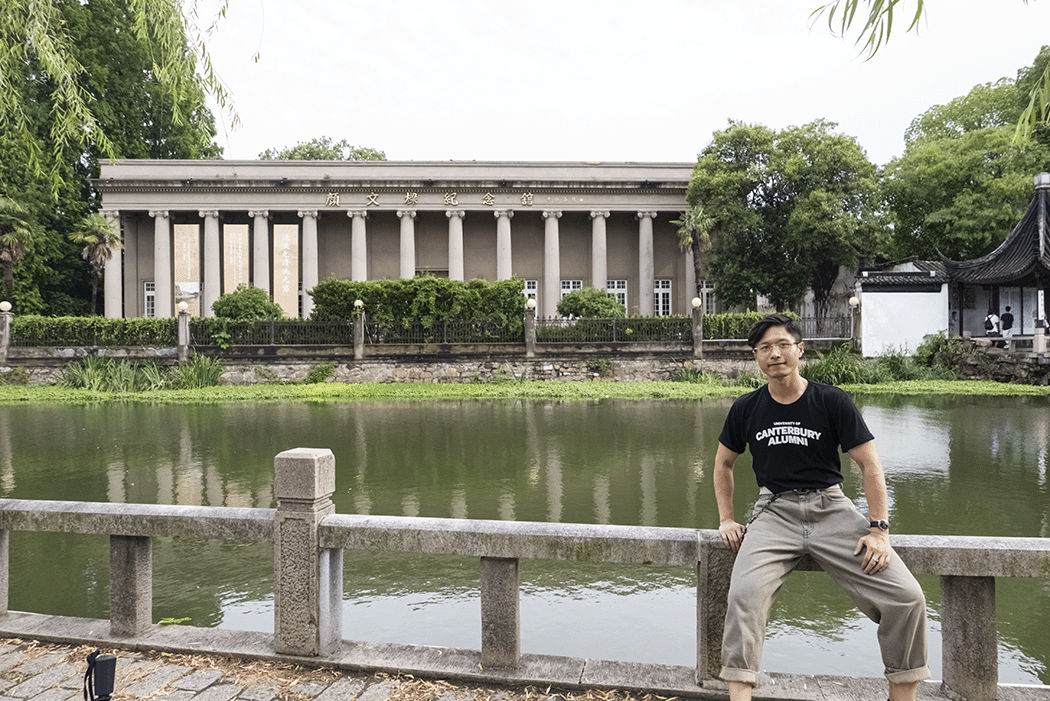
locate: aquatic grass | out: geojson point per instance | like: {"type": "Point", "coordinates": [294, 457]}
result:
{"type": "Point", "coordinates": [198, 373]}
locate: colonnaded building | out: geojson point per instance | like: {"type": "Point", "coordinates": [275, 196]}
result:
{"type": "Point", "coordinates": [193, 230]}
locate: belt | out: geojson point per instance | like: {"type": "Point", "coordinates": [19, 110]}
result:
{"type": "Point", "coordinates": [766, 491]}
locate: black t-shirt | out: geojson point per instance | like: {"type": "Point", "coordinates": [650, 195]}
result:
{"type": "Point", "coordinates": [1007, 320]}
{"type": "Point", "coordinates": [795, 446]}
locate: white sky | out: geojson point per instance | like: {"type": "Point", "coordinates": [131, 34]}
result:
{"type": "Point", "coordinates": [592, 80]}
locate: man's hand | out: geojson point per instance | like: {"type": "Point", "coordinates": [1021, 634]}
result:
{"type": "Point", "coordinates": [877, 552]}
{"type": "Point", "coordinates": [732, 534]}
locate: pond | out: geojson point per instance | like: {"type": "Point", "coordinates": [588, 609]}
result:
{"type": "Point", "coordinates": [955, 465]}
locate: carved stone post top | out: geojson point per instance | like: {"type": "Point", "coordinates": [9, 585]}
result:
{"type": "Point", "coordinates": [552, 214]}
{"type": "Point", "coordinates": [508, 213]}
{"type": "Point", "coordinates": [205, 213]}
{"type": "Point", "coordinates": [304, 474]}
{"type": "Point", "coordinates": [599, 213]}
{"type": "Point", "coordinates": [304, 213]}
{"type": "Point", "coordinates": [162, 213]}
{"type": "Point", "coordinates": [265, 214]}
{"type": "Point", "coordinates": [355, 213]}
{"type": "Point", "coordinates": [110, 214]}
{"type": "Point", "coordinates": [646, 215]}
{"type": "Point", "coordinates": [455, 213]}
{"type": "Point", "coordinates": [410, 213]}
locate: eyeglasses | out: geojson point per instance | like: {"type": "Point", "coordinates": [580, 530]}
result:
{"type": "Point", "coordinates": [782, 346]}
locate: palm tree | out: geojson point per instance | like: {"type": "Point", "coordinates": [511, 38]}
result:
{"type": "Point", "coordinates": [16, 239]}
{"type": "Point", "coordinates": [694, 231]}
{"type": "Point", "coordinates": [99, 240]}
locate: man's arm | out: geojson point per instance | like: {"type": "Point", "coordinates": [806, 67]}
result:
{"type": "Point", "coordinates": [876, 544]}
{"type": "Point", "coordinates": [732, 532]}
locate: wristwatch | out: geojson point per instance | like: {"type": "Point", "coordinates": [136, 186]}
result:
{"type": "Point", "coordinates": [880, 524]}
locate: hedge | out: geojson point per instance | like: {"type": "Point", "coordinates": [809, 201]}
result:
{"type": "Point", "coordinates": [31, 330]}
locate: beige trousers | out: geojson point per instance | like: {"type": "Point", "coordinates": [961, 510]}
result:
{"type": "Point", "coordinates": [826, 525]}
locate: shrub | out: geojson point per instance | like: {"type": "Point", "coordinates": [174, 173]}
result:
{"type": "Point", "coordinates": [841, 365]}
{"type": "Point", "coordinates": [940, 351]}
{"type": "Point", "coordinates": [31, 330]}
{"type": "Point", "coordinates": [202, 371]}
{"type": "Point", "coordinates": [749, 379]}
{"type": "Point", "coordinates": [246, 304]}
{"type": "Point", "coordinates": [733, 325]}
{"type": "Point", "coordinates": [698, 376]}
{"type": "Point", "coordinates": [591, 302]}
{"type": "Point", "coordinates": [320, 373]}
{"type": "Point", "coordinates": [599, 366]}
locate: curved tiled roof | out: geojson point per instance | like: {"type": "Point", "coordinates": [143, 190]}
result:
{"type": "Point", "coordinates": [1022, 259]}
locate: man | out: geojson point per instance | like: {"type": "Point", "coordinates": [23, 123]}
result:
{"type": "Point", "coordinates": [1006, 323]}
{"type": "Point", "coordinates": [794, 429]}
{"type": "Point", "coordinates": [991, 324]}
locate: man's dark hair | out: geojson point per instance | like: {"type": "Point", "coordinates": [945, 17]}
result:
{"type": "Point", "coordinates": [769, 321]}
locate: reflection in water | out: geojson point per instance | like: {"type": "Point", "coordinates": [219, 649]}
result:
{"type": "Point", "coordinates": [975, 466]}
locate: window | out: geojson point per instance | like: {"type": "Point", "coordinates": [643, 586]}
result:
{"type": "Point", "coordinates": [532, 289]}
{"type": "Point", "coordinates": [618, 289]}
{"type": "Point", "coordinates": [662, 297]}
{"type": "Point", "coordinates": [568, 286]}
{"type": "Point", "coordinates": [709, 297]}
{"type": "Point", "coordinates": [149, 295]}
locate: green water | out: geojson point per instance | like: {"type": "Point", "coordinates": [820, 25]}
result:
{"type": "Point", "coordinates": [956, 465]}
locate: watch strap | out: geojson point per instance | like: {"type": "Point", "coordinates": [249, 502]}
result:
{"type": "Point", "coordinates": [880, 524]}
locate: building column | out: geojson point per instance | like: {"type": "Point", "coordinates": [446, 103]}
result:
{"type": "Point", "coordinates": [113, 281]}
{"type": "Point", "coordinates": [358, 245]}
{"type": "Point", "coordinates": [455, 243]}
{"type": "Point", "coordinates": [212, 261]}
{"type": "Point", "coordinates": [551, 264]}
{"type": "Point", "coordinates": [261, 249]}
{"type": "Point", "coordinates": [646, 276]}
{"type": "Point", "coordinates": [599, 251]}
{"type": "Point", "coordinates": [162, 263]}
{"type": "Point", "coordinates": [309, 252]}
{"type": "Point", "coordinates": [408, 242]}
{"type": "Point", "coordinates": [503, 243]}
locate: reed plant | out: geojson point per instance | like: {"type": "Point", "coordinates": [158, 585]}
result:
{"type": "Point", "coordinates": [202, 371]}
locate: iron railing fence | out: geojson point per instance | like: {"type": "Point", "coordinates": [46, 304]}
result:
{"type": "Point", "coordinates": [466, 331]}
{"type": "Point", "coordinates": [827, 328]}
{"type": "Point", "coordinates": [206, 332]}
{"type": "Point", "coordinates": [78, 331]}
{"type": "Point", "coordinates": [669, 329]}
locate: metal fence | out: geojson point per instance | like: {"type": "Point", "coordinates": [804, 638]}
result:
{"type": "Point", "coordinates": [270, 333]}
{"type": "Point", "coordinates": [470, 331]}
{"type": "Point", "coordinates": [670, 329]}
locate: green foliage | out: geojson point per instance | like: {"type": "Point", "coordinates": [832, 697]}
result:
{"type": "Point", "coordinates": [17, 235]}
{"type": "Point", "coordinates": [14, 376]}
{"type": "Point", "coordinates": [940, 351]}
{"type": "Point", "coordinates": [734, 325]}
{"type": "Point", "coordinates": [320, 373]}
{"type": "Point", "coordinates": [698, 376]}
{"type": "Point", "coordinates": [786, 210]}
{"type": "Point", "coordinates": [962, 182]}
{"type": "Point", "coordinates": [591, 302]}
{"type": "Point", "coordinates": [99, 239]}
{"type": "Point", "coordinates": [246, 304]}
{"type": "Point", "coordinates": [323, 149]}
{"type": "Point", "coordinates": [100, 374]}
{"type": "Point", "coordinates": [201, 371]}
{"type": "Point", "coordinates": [599, 366]}
{"type": "Point", "coordinates": [841, 366]}
{"type": "Point", "coordinates": [751, 380]}
{"type": "Point", "coordinates": [428, 300]}
{"type": "Point", "coordinates": [31, 330]}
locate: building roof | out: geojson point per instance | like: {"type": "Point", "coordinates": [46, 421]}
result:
{"type": "Point", "coordinates": [1023, 259]}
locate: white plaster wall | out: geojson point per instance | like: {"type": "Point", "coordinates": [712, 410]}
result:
{"type": "Point", "coordinates": [897, 321]}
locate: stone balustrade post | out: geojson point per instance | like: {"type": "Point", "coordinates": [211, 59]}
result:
{"type": "Point", "coordinates": [308, 580]}
{"type": "Point", "coordinates": [5, 569]}
{"type": "Point", "coordinates": [184, 335]}
{"type": "Point", "coordinates": [130, 585]}
{"type": "Point", "coordinates": [530, 333]}
{"type": "Point", "coordinates": [713, 567]}
{"type": "Point", "coordinates": [698, 331]}
{"type": "Point", "coordinates": [5, 334]}
{"type": "Point", "coordinates": [968, 637]}
{"type": "Point", "coordinates": [359, 336]}
{"type": "Point", "coordinates": [500, 619]}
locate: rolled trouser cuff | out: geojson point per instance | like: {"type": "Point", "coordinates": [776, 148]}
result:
{"type": "Point", "coordinates": [907, 676]}
{"type": "Point", "coordinates": [731, 674]}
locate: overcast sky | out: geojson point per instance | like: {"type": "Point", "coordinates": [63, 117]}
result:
{"type": "Point", "coordinates": [602, 80]}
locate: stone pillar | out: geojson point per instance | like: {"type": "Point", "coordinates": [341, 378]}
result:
{"type": "Point", "coordinates": [599, 251]}
{"type": "Point", "coordinates": [310, 271]}
{"type": "Point", "coordinates": [530, 332]}
{"type": "Point", "coordinates": [551, 264]}
{"type": "Point", "coordinates": [164, 295]}
{"type": "Point", "coordinates": [500, 620]}
{"type": "Point", "coordinates": [968, 633]}
{"type": "Point", "coordinates": [308, 580]}
{"type": "Point", "coordinates": [503, 244]}
{"type": "Point", "coordinates": [5, 335]}
{"type": "Point", "coordinates": [713, 567]}
{"type": "Point", "coordinates": [358, 245]}
{"type": "Point", "coordinates": [408, 243]}
{"type": "Point", "coordinates": [212, 262]}
{"type": "Point", "coordinates": [113, 277]}
{"type": "Point", "coordinates": [359, 335]}
{"type": "Point", "coordinates": [455, 243]}
{"type": "Point", "coordinates": [698, 329]}
{"type": "Point", "coordinates": [130, 585]}
{"type": "Point", "coordinates": [183, 334]}
{"type": "Point", "coordinates": [261, 249]}
{"type": "Point", "coordinates": [646, 281]}
{"type": "Point", "coordinates": [5, 569]}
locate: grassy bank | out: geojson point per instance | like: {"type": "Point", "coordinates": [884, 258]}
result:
{"type": "Point", "coordinates": [592, 390]}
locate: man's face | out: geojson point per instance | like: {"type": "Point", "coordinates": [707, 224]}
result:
{"type": "Point", "coordinates": [778, 354]}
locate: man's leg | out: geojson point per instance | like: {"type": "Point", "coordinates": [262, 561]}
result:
{"type": "Point", "coordinates": [740, 691]}
{"type": "Point", "coordinates": [892, 598]}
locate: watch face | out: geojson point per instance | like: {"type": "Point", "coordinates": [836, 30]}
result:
{"type": "Point", "coordinates": [884, 525]}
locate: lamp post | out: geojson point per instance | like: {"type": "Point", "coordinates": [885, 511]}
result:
{"type": "Point", "coordinates": [5, 329]}
{"type": "Point", "coordinates": [698, 327]}
{"type": "Point", "coordinates": [530, 327]}
{"type": "Point", "coordinates": [359, 329]}
{"type": "Point", "coordinates": [854, 323]}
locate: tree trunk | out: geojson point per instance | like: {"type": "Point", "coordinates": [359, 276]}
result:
{"type": "Point", "coordinates": [9, 281]}
{"type": "Point", "coordinates": [94, 295]}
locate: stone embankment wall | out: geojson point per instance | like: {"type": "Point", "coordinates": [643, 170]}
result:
{"type": "Point", "coordinates": [984, 361]}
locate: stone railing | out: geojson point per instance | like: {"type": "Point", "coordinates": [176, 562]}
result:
{"type": "Point", "coordinates": [309, 539]}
